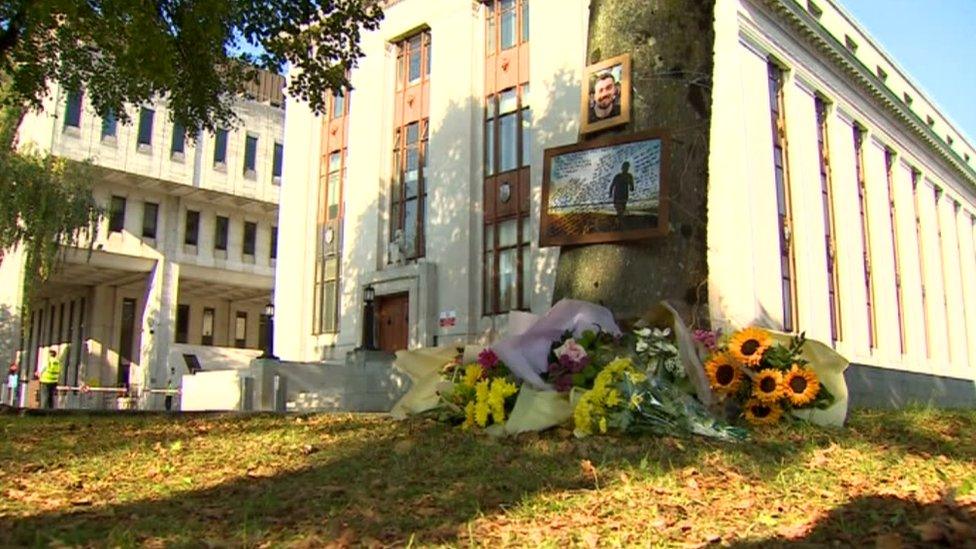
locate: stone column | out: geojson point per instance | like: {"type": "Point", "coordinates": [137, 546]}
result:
{"type": "Point", "coordinates": [101, 353]}
{"type": "Point", "coordinates": [11, 301]}
{"type": "Point", "coordinates": [159, 314]}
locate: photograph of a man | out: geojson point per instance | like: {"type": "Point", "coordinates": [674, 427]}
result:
{"type": "Point", "coordinates": [605, 101]}
{"type": "Point", "coordinates": [605, 97]}
{"type": "Point", "coordinates": [620, 188]}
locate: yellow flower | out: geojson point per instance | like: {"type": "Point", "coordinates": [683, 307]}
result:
{"type": "Point", "coordinates": [767, 386]}
{"type": "Point", "coordinates": [468, 415]}
{"type": "Point", "coordinates": [500, 390]}
{"type": "Point", "coordinates": [472, 374]}
{"type": "Point", "coordinates": [613, 398]}
{"type": "Point", "coordinates": [761, 413]}
{"type": "Point", "coordinates": [582, 419]}
{"type": "Point", "coordinates": [603, 424]}
{"type": "Point", "coordinates": [747, 346]}
{"type": "Point", "coordinates": [636, 400]}
{"type": "Point", "coordinates": [724, 374]}
{"type": "Point", "coordinates": [481, 403]}
{"type": "Point", "coordinates": [801, 385]}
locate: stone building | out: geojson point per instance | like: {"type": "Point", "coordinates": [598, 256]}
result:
{"type": "Point", "coordinates": [811, 185]}
{"type": "Point", "coordinates": [183, 262]}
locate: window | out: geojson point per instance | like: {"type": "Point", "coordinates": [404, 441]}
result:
{"type": "Point", "coordinates": [908, 99]}
{"type": "Point", "coordinates": [850, 43]}
{"type": "Point", "coordinates": [191, 230]}
{"type": "Point", "coordinates": [814, 9]}
{"type": "Point", "coordinates": [865, 234]}
{"type": "Point", "coordinates": [338, 104]}
{"type": "Point", "coordinates": [182, 323]}
{"type": "Point", "coordinates": [882, 74]}
{"type": "Point", "coordinates": [146, 126]}
{"type": "Point", "coordinates": [72, 111]}
{"type": "Point", "coordinates": [240, 329]}
{"type": "Point", "coordinates": [250, 235]}
{"type": "Point", "coordinates": [277, 162]}
{"type": "Point", "coordinates": [413, 59]}
{"type": "Point", "coordinates": [178, 144]}
{"type": "Point", "coordinates": [409, 188]}
{"type": "Point", "coordinates": [939, 196]}
{"type": "Point", "coordinates": [250, 154]}
{"type": "Point", "coordinates": [220, 233]}
{"type": "Point", "coordinates": [116, 219]}
{"type": "Point", "coordinates": [109, 125]}
{"type": "Point", "coordinates": [220, 148]}
{"type": "Point", "coordinates": [506, 242]}
{"type": "Point", "coordinates": [508, 24]}
{"type": "Point", "coordinates": [207, 330]}
{"type": "Point", "coordinates": [273, 253]}
{"type": "Point", "coordinates": [916, 181]}
{"type": "Point", "coordinates": [830, 245]}
{"type": "Point", "coordinates": [326, 284]}
{"type": "Point", "coordinates": [150, 213]}
{"type": "Point", "coordinates": [783, 198]}
{"type": "Point", "coordinates": [889, 171]}
{"type": "Point", "coordinates": [508, 131]}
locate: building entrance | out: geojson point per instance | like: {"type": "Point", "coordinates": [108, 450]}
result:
{"type": "Point", "coordinates": [392, 315]}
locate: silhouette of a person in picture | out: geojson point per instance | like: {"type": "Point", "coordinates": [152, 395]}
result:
{"type": "Point", "coordinates": [620, 188]}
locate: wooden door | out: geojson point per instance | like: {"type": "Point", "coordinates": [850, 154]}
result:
{"type": "Point", "coordinates": [392, 319]}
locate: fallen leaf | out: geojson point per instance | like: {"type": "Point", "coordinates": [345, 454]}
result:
{"type": "Point", "coordinates": [888, 541]}
{"type": "Point", "coordinates": [589, 471]}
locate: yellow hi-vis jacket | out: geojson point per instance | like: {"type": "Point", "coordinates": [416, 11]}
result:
{"type": "Point", "coordinates": [52, 372]}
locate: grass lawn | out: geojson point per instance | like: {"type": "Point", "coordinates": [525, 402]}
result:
{"type": "Point", "coordinates": [890, 479]}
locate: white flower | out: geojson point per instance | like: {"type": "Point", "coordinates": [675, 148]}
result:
{"type": "Point", "coordinates": [642, 346]}
{"type": "Point", "coordinates": [571, 350]}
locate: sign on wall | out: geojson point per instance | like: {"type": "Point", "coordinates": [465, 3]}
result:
{"type": "Point", "coordinates": [605, 191]}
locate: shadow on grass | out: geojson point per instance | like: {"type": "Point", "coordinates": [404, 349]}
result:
{"type": "Point", "coordinates": [393, 482]}
{"type": "Point", "coordinates": [364, 478]}
{"type": "Point", "coordinates": [884, 521]}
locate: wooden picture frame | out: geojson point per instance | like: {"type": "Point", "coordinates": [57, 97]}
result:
{"type": "Point", "coordinates": [608, 79]}
{"type": "Point", "coordinates": [588, 198]}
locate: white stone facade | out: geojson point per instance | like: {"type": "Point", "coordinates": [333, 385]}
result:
{"type": "Point", "coordinates": [823, 55]}
{"type": "Point", "coordinates": [149, 273]}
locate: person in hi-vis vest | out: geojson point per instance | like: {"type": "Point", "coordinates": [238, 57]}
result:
{"type": "Point", "coordinates": [49, 377]}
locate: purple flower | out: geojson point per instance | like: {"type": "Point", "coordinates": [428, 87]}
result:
{"type": "Point", "coordinates": [487, 359]}
{"type": "Point", "coordinates": [707, 338]}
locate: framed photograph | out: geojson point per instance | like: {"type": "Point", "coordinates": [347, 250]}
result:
{"type": "Point", "coordinates": [605, 190]}
{"type": "Point", "coordinates": [605, 100]}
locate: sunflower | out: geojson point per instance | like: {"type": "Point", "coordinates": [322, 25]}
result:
{"type": "Point", "coordinates": [761, 413]}
{"type": "Point", "coordinates": [748, 345]}
{"type": "Point", "coordinates": [723, 372]}
{"type": "Point", "coordinates": [801, 385]}
{"type": "Point", "coordinates": [767, 386]}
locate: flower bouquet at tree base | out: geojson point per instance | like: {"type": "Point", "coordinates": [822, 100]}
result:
{"type": "Point", "coordinates": [626, 398]}
{"type": "Point", "coordinates": [764, 378]}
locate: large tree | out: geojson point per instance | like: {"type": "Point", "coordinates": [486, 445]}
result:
{"type": "Point", "coordinates": [198, 55]}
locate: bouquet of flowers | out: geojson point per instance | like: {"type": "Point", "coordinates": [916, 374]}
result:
{"type": "Point", "coordinates": [477, 394]}
{"type": "Point", "coordinates": [764, 378]}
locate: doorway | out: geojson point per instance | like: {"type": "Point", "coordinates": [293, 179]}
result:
{"type": "Point", "coordinates": [392, 318]}
{"type": "Point", "coordinates": [126, 340]}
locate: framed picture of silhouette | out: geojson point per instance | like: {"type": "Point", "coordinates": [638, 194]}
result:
{"type": "Point", "coordinates": [605, 190]}
{"type": "Point", "coordinates": [605, 98]}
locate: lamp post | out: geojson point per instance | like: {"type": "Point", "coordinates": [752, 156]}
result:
{"type": "Point", "coordinates": [369, 319]}
{"type": "Point", "coordinates": [269, 311]}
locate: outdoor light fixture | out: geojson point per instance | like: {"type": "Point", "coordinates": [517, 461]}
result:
{"type": "Point", "coordinates": [269, 311]}
{"type": "Point", "coordinates": [369, 318]}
